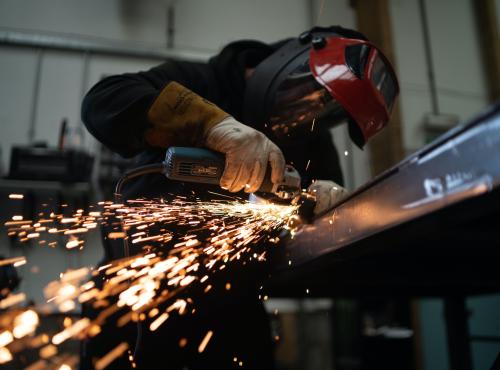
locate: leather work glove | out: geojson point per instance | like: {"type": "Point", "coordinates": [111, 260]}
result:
{"type": "Point", "coordinates": [247, 152]}
{"type": "Point", "coordinates": [179, 117]}
{"type": "Point", "coordinates": [327, 193]}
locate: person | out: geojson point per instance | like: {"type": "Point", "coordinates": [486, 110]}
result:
{"type": "Point", "coordinates": [261, 105]}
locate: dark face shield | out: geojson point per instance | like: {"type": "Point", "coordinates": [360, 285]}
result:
{"type": "Point", "coordinates": [384, 81]}
{"type": "Point", "coordinates": [300, 103]}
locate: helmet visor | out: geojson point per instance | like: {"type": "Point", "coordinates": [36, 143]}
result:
{"type": "Point", "coordinates": [299, 102]}
{"type": "Point", "coordinates": [384, 81]}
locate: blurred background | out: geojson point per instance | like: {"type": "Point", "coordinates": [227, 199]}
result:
{"type": "Point", "coordinates": [446, 55]}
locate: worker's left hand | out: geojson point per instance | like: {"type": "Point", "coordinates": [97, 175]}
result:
{"type": "Point", "coordinates": [327, 193]}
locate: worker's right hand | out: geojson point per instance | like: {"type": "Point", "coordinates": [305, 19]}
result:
{"type": "Point", "coordinates": [247, 152]}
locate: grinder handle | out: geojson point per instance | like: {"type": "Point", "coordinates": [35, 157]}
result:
{"type": "Point", "coordinates": [205, 158]}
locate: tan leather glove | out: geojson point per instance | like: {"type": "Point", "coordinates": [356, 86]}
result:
{"type": "Point", "coordinates": [247, 152]}
{"type": "Point", "coordinates": [180, 117]}
{"type": "Point", "coordinates": [327, 193]}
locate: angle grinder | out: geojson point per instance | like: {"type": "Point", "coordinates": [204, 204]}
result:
{"type": "Point", "coordinates": [198, 165]}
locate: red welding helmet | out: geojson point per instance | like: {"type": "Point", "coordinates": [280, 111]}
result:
{"type": "Point", "coordinates": [324, 77]}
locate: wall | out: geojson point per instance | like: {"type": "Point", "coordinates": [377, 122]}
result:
{"type": "Point", "coordinates": [484, 322]}
{"type": "Point", "coordinates": [497, 8]}
{"type": "Point", "coordinates": [456, 59]}
{"type": "Point", "coordinates": [210, 25]}
{"type": "Point", "coordinates": [136, 21]}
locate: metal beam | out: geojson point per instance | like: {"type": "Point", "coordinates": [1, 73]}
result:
{"type": "Point", "coordinates": [373, 20]}
{"type": "Point", "coordinates": [425, 183]}
{"type": "Point", "coordinates": [489, 40]}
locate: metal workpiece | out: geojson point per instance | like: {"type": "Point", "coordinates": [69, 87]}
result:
{"type": "Point", "coordinates": [460, 169]}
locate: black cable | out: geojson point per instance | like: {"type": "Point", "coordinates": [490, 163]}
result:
{"type": "Point", "coordinates": [133, 173]}
{"type": "Point", "coordinates": [136, 172]}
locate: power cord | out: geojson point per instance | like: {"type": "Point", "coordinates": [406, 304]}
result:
{"type": "Point", "coordinates": [133, 173]}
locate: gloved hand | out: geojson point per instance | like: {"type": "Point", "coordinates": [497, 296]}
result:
{"type": "Point", "coordinates": [247, 152]}
{"type": "Point", "coordinates": [327, 193]}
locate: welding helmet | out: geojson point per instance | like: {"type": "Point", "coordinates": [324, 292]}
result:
{"type": "Point", "coordinates": [324, 77]}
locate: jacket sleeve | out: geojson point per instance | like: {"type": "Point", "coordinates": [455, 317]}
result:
{"type": "Point", "coordinates": [131, 112]}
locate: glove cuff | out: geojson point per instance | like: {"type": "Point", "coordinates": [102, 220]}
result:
{"type": "Point", "coordinates": [178, 116]}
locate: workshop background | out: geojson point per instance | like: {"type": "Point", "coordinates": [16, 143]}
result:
{"type": "Point", "coordinates": [53, 51]}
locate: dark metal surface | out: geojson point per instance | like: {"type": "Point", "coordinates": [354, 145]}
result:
{"type": "Point", "coordinates": [457, 330]}
{"type": "Point", "coordinates": [426, 224]}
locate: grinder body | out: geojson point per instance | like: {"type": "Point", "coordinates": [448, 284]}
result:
{"type": "Point", "coordinates": [206, 167]}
